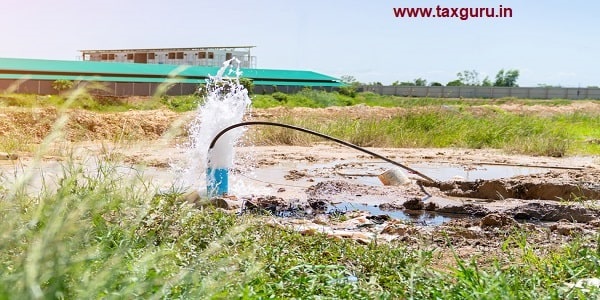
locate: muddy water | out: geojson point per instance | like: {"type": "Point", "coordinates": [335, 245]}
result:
{"type": "Point", "coordinates": [419, 217]}
{"type": "Point", "coordinates": [366, 173]}
{"type": "Point", "coordinates": [445, 172]}
{"type": "Point", "coordinates": [350, 185]}
{"type": "Point", "coordinates": [471, 182]}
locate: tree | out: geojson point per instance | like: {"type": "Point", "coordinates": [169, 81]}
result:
{"type": "Point", "coordinates": [486, 81]}
{"type": "Point", "coordinates": [468, 77]}
{"type": "Point", "coordinates": [507, 78]}
{"type": "Point", "coordinates": [62, 84]}
{"type": "Point", "coordinates": [417, 82]}
{"type": "Point", "coordinates": [350, 80]}
{"type": "Point", "coordinates": [420, 82]}
{"type": "Point", "coordinates": [435, 83]}
{"type": "Point", "coordinates": [403, 83]}
{"type": "Point", "coordinates": [456, 82]}
{"type": "Point", "coordinates": [350, 87]}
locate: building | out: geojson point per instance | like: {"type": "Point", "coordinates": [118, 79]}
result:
{"type": "Point", "coordinates": [197, 56]}
{"type": "Point", "coordinates": [36, 76]}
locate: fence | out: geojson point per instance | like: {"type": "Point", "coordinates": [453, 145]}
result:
{"type": "Point", "coordinates": [124, 89]}
{"type": "Point", "coordinates": [44, 87]}
{"type": "Point", "coordinates": [485, 92]}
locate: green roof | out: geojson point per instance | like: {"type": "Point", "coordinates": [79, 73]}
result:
{"type": "Point", "coordinates": [99, 78]}
{"type": "Point", "coordinates": [18, 68]}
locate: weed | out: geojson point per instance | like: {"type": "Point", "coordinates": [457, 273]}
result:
{"type": "Point", "coordinates": [534, 135]}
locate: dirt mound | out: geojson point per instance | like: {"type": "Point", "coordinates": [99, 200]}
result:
{"type": "Point", "coordinates": [579, 106]}
{"type": "Point", "coordinates": [27, 124]}
{"type": "Point", "coordinates": [132, 124]}
{"type": "Point", "coordinates": [33, 124]}
{"type": "Point", "coordinates": [82, 125]}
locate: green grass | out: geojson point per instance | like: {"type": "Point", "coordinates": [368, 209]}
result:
{"type": "Point", "coordinates": [320, 99]}
{"type": "Point", "coordinates": [557, 135]}
{"type": "Point", "coordinates": [428, 122]}
{"type": "Point", "coordinates": [303, 98]}
{"type": "Point", "coordinates": [444, 123]}
{"type": "Point", "coordinates": [101, 235]}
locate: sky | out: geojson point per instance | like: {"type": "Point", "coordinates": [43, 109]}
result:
{"type": "Point", "coordinates": [550, 42]}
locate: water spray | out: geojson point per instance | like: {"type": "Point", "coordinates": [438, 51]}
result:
{"type": "Point", "coordinates": [226, 102]}
{"type": "Point", "coordinates": [217, 178]}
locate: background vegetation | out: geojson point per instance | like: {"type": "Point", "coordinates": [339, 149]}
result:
{"type": "Point", "coordinates": [422, 122]}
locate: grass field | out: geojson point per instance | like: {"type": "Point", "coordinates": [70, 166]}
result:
{"type": "Point", "coordinates": [549, 136]}
{"type": "Point", "coordinates": [104, 236]}
{"type": "Point", "coordinates": [450, 123]}
{"type": "Point", "coordinates": [467, 123]}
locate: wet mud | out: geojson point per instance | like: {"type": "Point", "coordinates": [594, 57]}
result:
{"type": "Point", "coordinates": [566, 186]}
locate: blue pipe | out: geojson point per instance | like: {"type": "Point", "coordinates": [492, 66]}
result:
{"type": "Point", "coordinates": [217, 182]}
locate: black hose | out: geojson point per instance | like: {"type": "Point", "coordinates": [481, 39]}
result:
{"type": "Point", "coordinates": [214, 141]}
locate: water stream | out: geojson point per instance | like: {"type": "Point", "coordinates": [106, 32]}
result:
{"type": "Point", "coordinates": [225, 104]}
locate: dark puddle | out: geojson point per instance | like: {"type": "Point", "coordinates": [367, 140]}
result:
{"type": "Point", "coordinates": [420, 217]}
{"type": "Point", "coordinates": [295, 209]}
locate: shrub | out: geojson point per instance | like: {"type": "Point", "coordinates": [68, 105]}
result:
{"type": "Point", "coordinates": [279, 96]}
{"type": "Point", "coordinates": [62, 84]}
{"type": "Point", "coordinates": [348, 90]}
{"type": "Point", "coordinates": [248, 85]}
{"type": "Point", "coordinates": [181, 103]}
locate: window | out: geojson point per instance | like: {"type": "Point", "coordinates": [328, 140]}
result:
{"type": "Point", "coordinates": [151, 55]}
{"type": "Point", "coordinates": [211, 55]}
{"type": "Point", "coordinates": [172, 55]}
{"type": "Point", "coordinates": [130, 56]}
{"type": "Point", "coordinates": [111, 56]}
{"type": "Point", "coordinates": [228, 56]}
{"type": "Point", "coordinates": [179, 55]}
{"type": "Point", "coordinates": [201, 55]}
{"type": "Point", "coordinates": [104, 56]}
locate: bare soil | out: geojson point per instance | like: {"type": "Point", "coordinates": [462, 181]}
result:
{"type": "Point", "coordinates": [334, 190]}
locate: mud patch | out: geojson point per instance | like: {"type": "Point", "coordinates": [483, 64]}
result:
{"type": "Point", "coordinates": [414, 204]}
{"type": "Point", "coordinates": [295, 175]}
{"type": "Point", "coordinates": [566, 185]}
{"type": "Point", "coordinates": [497, 220]}
{"type": "Point", "coordinates": [467, 209]}
{"type": "Point", "coordinates": [273, 205]}
{"type": "Point", "coordinates": [553, 212]}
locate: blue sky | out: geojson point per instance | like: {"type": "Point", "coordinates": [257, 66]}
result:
{"type": "Point", "coordinates": [549, 42]}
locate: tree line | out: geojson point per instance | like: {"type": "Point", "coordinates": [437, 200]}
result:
{"type": "Point", "coordinates": [504, 78]}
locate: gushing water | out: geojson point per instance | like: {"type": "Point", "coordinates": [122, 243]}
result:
{"type": "Point", "coordinates": [225, 104]}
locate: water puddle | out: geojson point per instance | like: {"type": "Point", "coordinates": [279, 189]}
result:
{"type": "Point", "coordinates": [426, 218]}
{"type": "Point", "coordinates": [303, 175]}
{"type": "Point", "coordinates": [444, 172]}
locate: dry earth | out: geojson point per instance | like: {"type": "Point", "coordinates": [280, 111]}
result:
{"type": "Point", "coordinates": [479, 197]}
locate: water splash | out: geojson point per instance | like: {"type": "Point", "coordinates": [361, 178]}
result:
{"type": "Point", "coordinates": [226, 103]}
